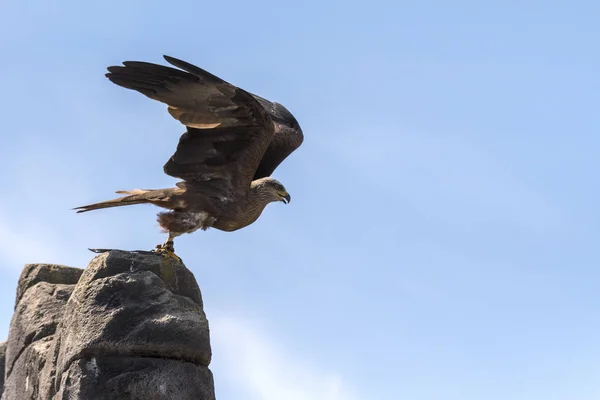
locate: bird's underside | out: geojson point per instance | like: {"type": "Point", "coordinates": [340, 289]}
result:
{"type": "Point", "coordinates": [234, 140]}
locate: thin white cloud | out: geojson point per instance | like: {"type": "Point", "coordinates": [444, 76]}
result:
{"type": "Point", "coordinates": [253, 362]}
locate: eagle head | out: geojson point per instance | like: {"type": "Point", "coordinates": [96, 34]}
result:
{"type": "Point", "coordinates": [272, 189]}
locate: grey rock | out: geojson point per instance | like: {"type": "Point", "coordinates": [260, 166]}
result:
{"type": "Point", "coordinates": [50, 273]}
{"type": "Point", "coordinates": [42, 294]}
{"type": "Point", "coordinates": [132, 327]}
{"type": "Point", "coordinates": [2, 358]}
{"type": "Point", "coordinates": [25, 381]}
{"type": "Point", "coordinates": [36, 317]}
{"type": "Point", "coordinates": [108, 378]}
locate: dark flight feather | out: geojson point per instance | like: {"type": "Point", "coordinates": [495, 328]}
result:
{"type": "Point", "coordinates": [233, 139]}
{"type": "Point", "coordinates": [233, 136]}
{"type": "Point", "coordinates": [228, 130]}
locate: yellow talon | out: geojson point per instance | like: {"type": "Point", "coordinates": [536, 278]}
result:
{"type": "Point", "coordinates": [167, 250]}
{"type": "Point", "coordinates": [167, 253]}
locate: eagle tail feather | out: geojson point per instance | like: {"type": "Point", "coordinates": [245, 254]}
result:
{"type": "Point", "coordinates": [138, 198]}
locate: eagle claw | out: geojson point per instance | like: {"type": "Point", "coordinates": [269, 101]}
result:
{"type": "Point", "coordinates": [168, 254]}
{"type": "Point", "coordinates": [167, 250]}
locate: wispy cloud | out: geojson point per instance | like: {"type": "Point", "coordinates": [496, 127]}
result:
{"type": "Point", "coordinates": [252, 361]}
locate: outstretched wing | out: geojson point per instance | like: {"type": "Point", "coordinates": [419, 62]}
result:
{"type": "Point", "coordinates": [228, 130]}
{"type": "Point", "coordinates": [288, 137]}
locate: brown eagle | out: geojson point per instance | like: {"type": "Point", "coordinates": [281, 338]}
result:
{"type": "Point", "coordinates": [233, 143]}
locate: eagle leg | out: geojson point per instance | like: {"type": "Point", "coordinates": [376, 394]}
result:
{"type": "Point", "coordinates": [167, 249]}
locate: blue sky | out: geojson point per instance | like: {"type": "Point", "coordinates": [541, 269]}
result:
{"type": "Point", "coordinates": [442, 241]}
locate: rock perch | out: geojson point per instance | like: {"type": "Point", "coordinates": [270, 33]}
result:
{"type": "Point", "coordinates": [129, 326]}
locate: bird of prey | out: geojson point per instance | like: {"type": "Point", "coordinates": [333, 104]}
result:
{"type": "Point", "coordinates": [234, 140]}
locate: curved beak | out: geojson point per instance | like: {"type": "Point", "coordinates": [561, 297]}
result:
{"type": "Point", "coordinates": [286, 199]}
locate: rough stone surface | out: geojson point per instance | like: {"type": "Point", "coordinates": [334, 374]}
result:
{"type": "Point", "coordinates": [36, 317]}
{"type": "Point", "coordinates": [2, 358]}
{"type": "Point", "coordinates": [25, 381]}
{"type": "Point", "coordinates": [126, 378]}
{"type": "Point", "coordinates": [130, 326]}
{"type": "Point", "coordinates": [50, 273]}
{"type": "Point", "coordinates": [42, 294]}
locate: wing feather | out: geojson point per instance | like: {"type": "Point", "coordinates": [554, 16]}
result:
{"type": "Point", "coordinates": [228, 130]}
{"type": "Point", "coordinates": [288, 137]}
